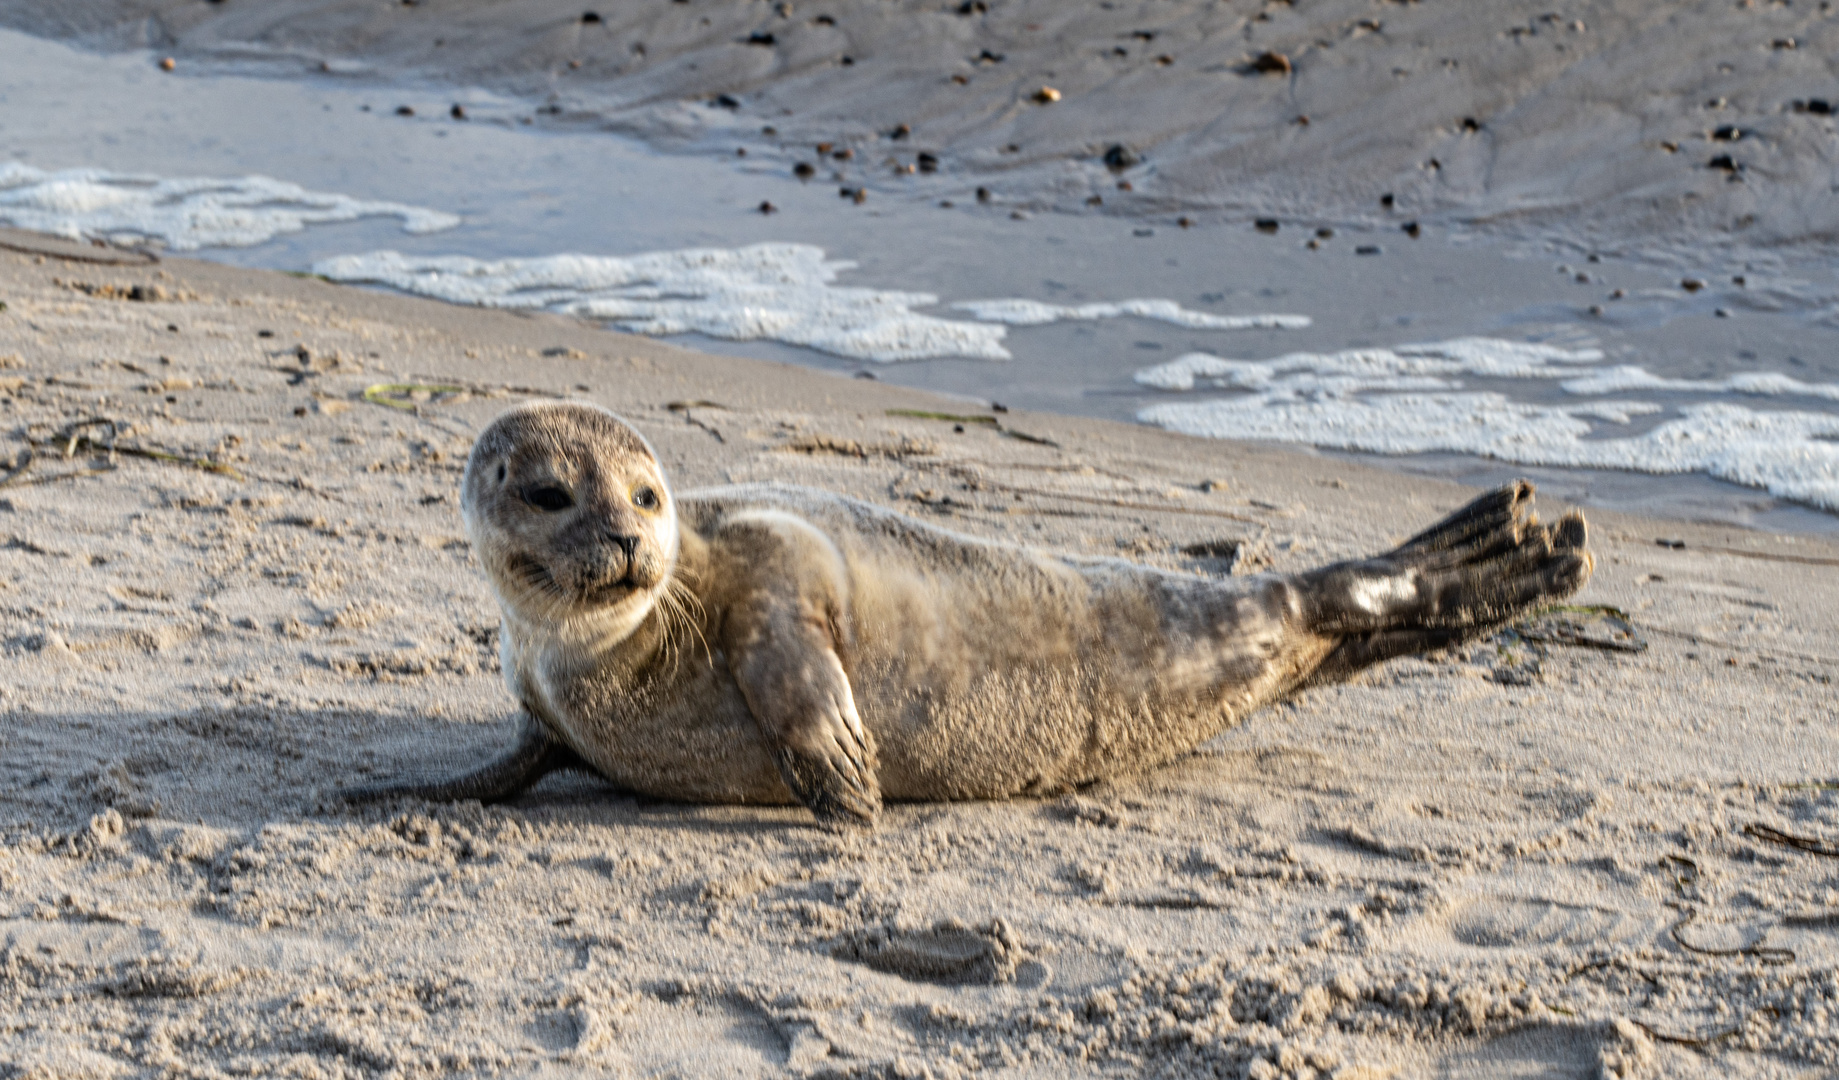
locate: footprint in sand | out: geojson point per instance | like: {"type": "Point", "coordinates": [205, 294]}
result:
{"type": "Point", "coordinates": [1507, 922]}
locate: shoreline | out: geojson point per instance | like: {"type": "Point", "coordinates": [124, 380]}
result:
{"type": "Point", "coordinates": [1472, 861]}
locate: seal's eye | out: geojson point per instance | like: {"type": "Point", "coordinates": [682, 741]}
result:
{"type": "Point", "coordinates": [549, 498]}
{"type": "Point", "coordinates": [645, 499]}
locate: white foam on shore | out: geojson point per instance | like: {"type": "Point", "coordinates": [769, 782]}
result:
{"type": "Point", "coordinates": [1036, 313]}
{"type": "Point", "coordinates": [1355, 400]}
{"type": "Point", "coordinates": [782, 292]}
{"type": "Point", "coordinates": [1425, 366]}
{"type": "Point", "coordinates": [184, 214]}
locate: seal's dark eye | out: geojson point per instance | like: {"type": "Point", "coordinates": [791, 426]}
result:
{"type": "Point", "coordinates": [645, 499]}
{"type": "Point", "coordinates": [549, 498]}
{"type": "Point", "coordinates": [501, 472]}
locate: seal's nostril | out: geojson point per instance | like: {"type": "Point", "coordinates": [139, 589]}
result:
{"type": "Point", "coordinates": [628, 544]}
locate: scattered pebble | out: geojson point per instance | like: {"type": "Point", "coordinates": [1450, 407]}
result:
{"type": "Point", "coordinates": [1046, 95]}
{"type": "Point", "coordinates": [900, 131]}
{"type": "Point", "coordinates": [168, 63]}
{"type": "Point", "coordinates": [1727, 133]}
{"type": "Point", "coordinates": [727, 101]}
{"type": "Point", "coordinates": [1302, 121]}
{"type": "Point", "coordinates": [983, 194]}
{"type": "Point", "coordinates": [1265, 225]}
{"type": "Point", "coordinates": [1184, 222]}
{"type": "Point", "coordinates": [1618, 294]}
{"type": "Point", "coordinates": [1721, 313]}
{"type": "Point", "coordinates": [928, 163]}
{"type": "Point", "coordinates": [1164, 60]}
{"type": "Point", "coordinates": [1142, 232]}
{"type": "Point", "coordinates": [1596, 309]}
{"type": "Point", "coordinates": [1325, 233]}
{"type": "Point", "coordinates": [1676, 545]}
{"type": "Point", "coordinates": [1725, 162]}
{"type": "Point", "coordinates": [1119, 157]}
{"type": "Point", "coordinates": [1271, 63]}
{"type": "Point", "coordinates": [1470, 124]}
{"type": "Point", "coordinates": [973, 7]}
{"type": "Point", "coordinates": [768, 208]}
{"type": "Point", "coordinates": [844, 154]}
{"type": "Point", "coordinates": [404, 110]}
{"type": "Point", "coordinates": [1387, 200]}
{"type": "Point", "coordinates": [946, 204]}
{"type": "Point", "coordinates": [1095, 200]}
{"type": "Point", "coordinates": [824, 148]}
{"type": "Point", "coordinates": [1816, 106]}
{"type": "Point", "coordinates": [1017, 215]}
{"type": "Point", "coordinates": [869, 375]}
{"type": "Point", "coordinates": [804, 170]}
{"type": "Point", "coordinates": [1692, 284]}
{"type": "Point", "coordinates": [1124, 185]}
{"type": "Point", "coordinates": [589, 18]}
{"type": "Point", "coordinates": [762, 37]}
{"type": "Point", "coordinates": [458, 112]}
{"type": "Point", "coordinates": [1368, 249]}
{"type": "Point", "coordinates": [1411, 229]}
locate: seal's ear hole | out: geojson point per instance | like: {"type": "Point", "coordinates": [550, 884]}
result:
{"type": "Point", "coordinates": [645, 499]}
{"type": "Point", "coordinates": [501, 472]}
{"type": "Point", "coordinates": [549, 498]}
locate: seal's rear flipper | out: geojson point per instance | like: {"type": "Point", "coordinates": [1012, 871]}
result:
{"type": "Point", "coordinates": [1472, 572]}
{"type": "Point", "coordinates": [535, 755]}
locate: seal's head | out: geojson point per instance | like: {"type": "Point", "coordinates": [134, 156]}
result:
{"type": "Point", "coordinates": [568, 510]}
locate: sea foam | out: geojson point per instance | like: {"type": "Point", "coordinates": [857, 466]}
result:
{"type": "Point", "coordinates": [1036, 313]}
{"type": "Point", "coordinates": [784, 292]}
{"type": "Point", "coordinates": [1370, 400]}
{"type": "Point", "coordinates": [184, 214]}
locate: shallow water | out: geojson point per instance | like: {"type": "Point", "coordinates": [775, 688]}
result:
{"type": "Point", "coordinates": [524, 190]}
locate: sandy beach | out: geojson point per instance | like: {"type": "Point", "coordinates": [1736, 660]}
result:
{"type": "Point", "coordinates": [234, 579]}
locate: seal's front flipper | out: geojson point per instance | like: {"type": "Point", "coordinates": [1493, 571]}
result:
{"type": "Point", "coordinates": [800, 695]}
{"type": "Point", "coordinates": [535, 755]}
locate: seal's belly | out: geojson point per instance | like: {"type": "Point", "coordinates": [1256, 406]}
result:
{"type": "Point", "coordinates": [689, 737]}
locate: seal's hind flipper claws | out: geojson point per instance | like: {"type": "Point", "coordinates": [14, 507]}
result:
{"type": "Point", "coordinates": [535, 755]}
{"type": "Point", "coordinates": [1475, 571]}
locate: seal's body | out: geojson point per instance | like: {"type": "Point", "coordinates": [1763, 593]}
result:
{"type": "Point", "coordinates": [762, 643]}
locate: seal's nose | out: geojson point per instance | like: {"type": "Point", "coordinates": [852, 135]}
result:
{"type": "Point", "coordinates": [627, 544]}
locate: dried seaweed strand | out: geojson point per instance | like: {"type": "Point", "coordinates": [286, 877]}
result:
{"type": "Point", "coordinates": [1809, 844]}
{"type": "Point", "coordinates": [1762, 953]}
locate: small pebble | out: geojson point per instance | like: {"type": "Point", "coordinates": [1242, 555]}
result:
{"type": "Point", "coordinates": [1721, 313]}
{"type": "Point", "coordinates": [900, 131]}
{"type": "Point", "coordinates": [168, 63]}
{"type": "Point", "coordinates": [1410, 228]}
{"type": "Point", "coordinates": [983, 194]}
{"type": "Point", "coordinates": [804, 170]}
{"type": "Point", "coordinates": [404, 110]}
{"type": "Point", "coordinates": [1386, 200]}
{"type": "Point", "coordinates": [1367, 249]}
{"type": "Point", "coordinates": [1596, 309]}
{"type": "Point", "coordinates": [1046, 95]}
{"type": "Point", "coordinates": [458, 112]}
{"type": "Point", "coordinates": [845, 154]}
{"type": "Point", "coordinates": [871, 376]}
{"type": "Point", "coordinates": [761, 37]}
{"type": "Point", "coordinates": [1124, 185]}
{"type": "Point", "coordinates": [1692, 284]}
{"type": "Point", "coordinates": [1185, 222]}
{"type": "Point", "coordinates": [946, 204]}
{"type": "Point", "coordinates": [1265, 225]}
{"type": "Point", "coordinates": [1017, 215]}
{"type": "Point", "coordinates": [1142, 232]}
{"type": "Point", "coordinates": [1095, 200]}
{"type": "Point", "coordinates": [1271, 63]}
{"type": "Point", "coordinates": [928, 163]}
{"type": "Point", "coordinates": [589, 18]}
{"type": "Point", "coordinates": [1727, 133]}
{"type": "Point", "coordinates": [1618, 294]}
{"type": "Point", "coordinates": [768, 208]}
{"type": "Point", "coordinates": [1325, 233]}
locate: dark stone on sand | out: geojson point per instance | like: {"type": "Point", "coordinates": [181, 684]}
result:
{"type": "Point", "coordinates": [1142, 232]}
{"type": "Point", "coordinates": [768, 208]}
{"type": "Point", "coordinates": [761, 37]}
{"type": "Point", "coordinates": [458, 112]}
{"type": "Point", "coordinates": [983, 194]}
{"type": "Point", "coordinates": [1725, 162]}
{"type": "Point", "coordinates": [804, 170]}
{"type": "Point", "coordinates": [727, 101]}
{"type": "Point", "coordinates": [1470, 124]}
{"type": "Point", "coordinates": [1727, 133]}
{"type": "Point", "coordinates": [1119, 157]}
{"type": "Point", "coordinates": [1266, 225]}
{"type": "Point", "coordinates": [1692, 284]}
{"type": "Point", "coordinates": [1367, 249]}
{"type": "Point", "coordinates": [1185, 222]}
{"type": "Point", "coordinates": [988, 57]}
{"type": "Point", "coordinates": [1271, 63]}
{"type": "Point", "coordinates": [973, 7]}
{"type": "Point", "coordinates": [847, 61]}
{"type": "Point", "coordinates": [590, 17]}
{"type": "Point", "coordinates": [928, 163]}
{"type": "Point", "coordinates": [1817, 106]}
{"type": "Point", "coordinates": [1411, 229]}
{"type": "Point", "coordinates": [900, 131]}
{"type": "Point", "coordinates": [1387, 200]}
{"type": "Point", "coordinates": [404, 110]}
{"type": "Point", "coordinates": [1325, 233]}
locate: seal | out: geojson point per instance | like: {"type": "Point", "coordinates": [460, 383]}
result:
{"type": "Point", "coordinates": [770, 644]}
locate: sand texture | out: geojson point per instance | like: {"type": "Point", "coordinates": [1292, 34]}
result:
{"type": "Point", "coordinates": [230, 582]}
{"type": "Point", "coordinates": [1611, 122]}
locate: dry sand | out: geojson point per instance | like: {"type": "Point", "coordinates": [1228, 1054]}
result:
{"type": "Point", "coordinates": [1613, 122]}
{"type": "Point", "coordinates": [1544, 855]}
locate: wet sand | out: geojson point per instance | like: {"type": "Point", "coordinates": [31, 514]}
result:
{"type": "Point", "coordinates": [1617, 124]}
{"type": "Point", "coordinates": [1569, 850]}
